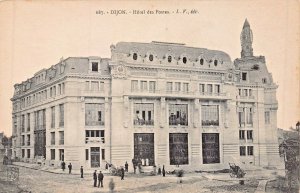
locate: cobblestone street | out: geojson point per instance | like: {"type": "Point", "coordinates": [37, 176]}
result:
{"type": "Point", "coordinates": [38, 181]}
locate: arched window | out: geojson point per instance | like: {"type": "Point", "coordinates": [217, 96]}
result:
{"type": "Point", "coordinates": [184, 60]}
{"type": "Point", "coordinates": [134, 56]}
{"type": "Point", "coordinates": [151, 57]}
{"type": "Point", "coordinates": [201, 61]}
{"type": "Point", "coordinates": [216, 62]}
{"type": "Point", "coordinates": [169, 59]}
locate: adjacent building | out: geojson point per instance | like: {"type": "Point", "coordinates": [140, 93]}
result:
{"type": "Point", "coordinates": [165, 103]}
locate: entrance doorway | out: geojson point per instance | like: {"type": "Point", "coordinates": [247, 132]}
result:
{"type": "Point", "coordinates": [144, 148]}
{"type": "Point", "coordinates": [210, 148]}
{"type": "Point", "coordinates": [178, 143]}
{"type": "Point", "coordinates": [95, 157]}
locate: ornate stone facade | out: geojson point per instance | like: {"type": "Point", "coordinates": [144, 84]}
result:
{"type": "Point", "coordinates": [164, 103]}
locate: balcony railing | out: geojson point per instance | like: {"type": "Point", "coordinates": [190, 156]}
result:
{"type": "Point", "coordinates": [212, 93]}
{"type": "Point", "coordinates": [210, 122]}
{"type": "Point", "coordinates": [143, 122]}
{"type": "Point", "coordinates": [247, 97]}
{"type": "Point", "coordinates": [246, 125]}
{"type": "Point", "coordinates": [94, 123]}
{"type": "Point", "coordinates": [183, 122]}
{"type": "Point", "coordinates": [94, 140]}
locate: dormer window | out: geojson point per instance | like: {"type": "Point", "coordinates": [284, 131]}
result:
{"type": "Point", "coordinates": [244, 76]}
{"type": "Point", "coordinates": [151, 57]}
{"type": "Point", "coordinates": [201, 61]}
{"type": "Point", "coordinates": [95, 66]}
{"type": "Point", "coordinates": [184, 60]}
{"type": "Point", "coordinates": [134, 57]}
{"type": "Point", "coordinates": [216, 62]}
{"type": "Point", "coordinates": [169, 59]}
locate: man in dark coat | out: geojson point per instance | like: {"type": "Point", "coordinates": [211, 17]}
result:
{"type": "Point", "coordinates": [122, 173]}
{"type": "Point", "coordinates": [81, 171]}
{"type": "Point", "coordinates": [70, 168]}
{"type": "Point", "coordinates": [134, 165]}
{"type": "Point", "coordinates": [100, 179]}
{"type": "Point", "coordinates": [63, 166]}
{"type": "Point", "coordinates": [163, 171]}
{"type": "Point", "coordinates": [126, 166]}
{"type": "Point", "coordinates": [95, 178]}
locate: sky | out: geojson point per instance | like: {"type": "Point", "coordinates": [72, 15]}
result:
{"type": "Point", "coordinates": [36, 34]}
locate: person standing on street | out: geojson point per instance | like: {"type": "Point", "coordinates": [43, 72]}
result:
{"type": "Point", "coordinates": [126, 166]}
{"type": "Point", "coordinates": [95, 178]}
{"type": "Point", "coordinates": [100, 179]}
{"type": "Point", "coordinates": [163, 171]}
{"type": "Point", "coordinates": [122, 173]}
{"type": "Point", "coordinates": [63, 166]}
{"type": "Point", "coordinates": [70, 168]}
{"type": "Point", "coordinates": [81, 171]}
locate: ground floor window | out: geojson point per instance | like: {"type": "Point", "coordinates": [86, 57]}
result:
{"type": "Point", "coordinates": [210, 148]}
{"type": "Point", "coordinates": [23, 153]}
{"type": "Point", "coordinates": [86, 154]}
{"type": "Point", "coordinates": [242, 151]}
{"type": "Point", "coordinates": [144, 148]}
{"type": "Point", "coordinates": [250, 150]}
{"type": "Point", "coordinates": [178, 144]}
{"type": "Point", "coordinates": [103, 154]}
{"type": "Point", "coordinates": [52, 152]}
{"type": "Point", "coordinates": [61, 154]}
{"type": "Point", "coordinates": [95, 157]}
{"type": "Point", "coordinates": [28, 153]}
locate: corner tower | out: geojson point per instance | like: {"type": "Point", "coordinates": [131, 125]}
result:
{"type": "Point", "coordinates": [246, 40]}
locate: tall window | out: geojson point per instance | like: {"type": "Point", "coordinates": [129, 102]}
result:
{"type": "Point", "coordinates": [144, 85]}
{"type": "Point", "coordinates": [94, 114]}
{"type": "Point", "coordinates": [217, 89]}
{"type": "Point", "coordinates": [185, 87]}
{"type": "Point", "coordinates": [61, 138]}
{"type": "Point", "coordinates": [61, 115]}
{"type": "Point", "coordinates": [134, 85]}
{"type": "Point", "coordinates": [178, 114]}
{"type": "Point", "coordinates": [23, 140]}
{"type": "Point", "coordinates": [152, 86]}
{"type": "Point", "coordinates": [94, 136]}
{"type": "Point", "coordinates": [250, 150]}
{"type": "Point", "coordinates": [177, 86]}
{"type": "Point", "coordinates": [61, 154]}
{"type": "Point", "coordinates": [52, 152]}
{"type": "Point", "coordinates": [52, 117]}
{"type": "Point", "coordinates": [209, 88]}
{"type": "Point", "coordinates": [28, 140]}
{"type": "Point", "coordinates": [242, 150]}
{"type": "Point", "coordinates": [242, 134]}
{"type": "Point", "coordinates": [28, 121]}
{"type": "Point", "coordinates": [267, 117]}
{"type": "Point", "coordinates": [23, 123]}
{"type": "Point", "coordinates": [144, 114]}
{"type": "Point", "coordinates": [169, 86]}
{"type": "Point", "coordinates": [40, 119]}
{"type": "Point", "coordinates": [210, 115]}
{"type": "Point", "coordinates": [250, 134]}
{"type": "Point", "coordinates": [52, 138]}
{"type": "Point", "coordinates": [95, 66]}
{"type": "Point", "coordinates": [244, 76]}
{"type": "Point", "coordinates": [28, 153]}
{"type": "Point", "coordinates": [201, 88]}
{"type": "Point", "coordinates": [245, 116]}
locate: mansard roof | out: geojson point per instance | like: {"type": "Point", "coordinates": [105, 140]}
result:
{"type": "Point", "coordinates": [161, 49]}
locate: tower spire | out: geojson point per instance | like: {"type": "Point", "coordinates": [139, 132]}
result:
{"type": "Point", "coordinates": [246, 40]}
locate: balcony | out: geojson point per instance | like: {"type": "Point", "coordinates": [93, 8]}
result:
{"type": "Point", "coordinates": [177, 122]}
{"type": "Point", "coordinates": [243, 125]}
{"type": "Point", "coordinates": [142, 122]}
{"type": "Point", "coordinates": [90, 140]}
{"type": "Point", "coordinates": [246, 98]}
{"type": "Point", "coordinates": [207, 123]}
{"type": "Point", "coordinates": [94, 123]}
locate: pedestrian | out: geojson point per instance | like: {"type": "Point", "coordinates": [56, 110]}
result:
{"type": "Point", "coordinates": [159, 171]}
{"type": "Point", "coordinates": [81, 171]}
{"type": "Point", "coordinates": [163, 171]}
{"type": "Point", "coordinates": [134, 165]}
{"type": "Point", "coordinates": [70, 168]}
{"type": "Point", "coordinates": [122, 173]}
{"type": "Point", "coordinates": [63, 166]}
{"type": "Point", "coordinates": [126, 166]}
{"type": "Point", "coordinates": [100, 179]}
{"type": "Point", "coordinates": [95, 178]}
{"type": "Point", "coordinates": [111, 185]}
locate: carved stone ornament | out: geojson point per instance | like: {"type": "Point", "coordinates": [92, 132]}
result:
{"type": "Point", "coordinates": [119, 71]}
{"type": "Point", "coordinates": [52, 72]}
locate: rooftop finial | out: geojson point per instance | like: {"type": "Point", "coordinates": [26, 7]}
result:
{"type": "Point", "coordinates": [246, 24]}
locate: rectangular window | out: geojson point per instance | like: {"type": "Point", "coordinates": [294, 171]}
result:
{"type": "Point", "coordinates": [52, 138]}
{"type": "Point", "coordinates": [28, 140]}
{"type": "Point", "coordinates": [86, 154]}
{"type": "Point", "coordinates": [242, 151]}
{"type": "Point", "coordinates": [267, 117]}
{"type": "Point", "coordinates": [52, 151]}
{"type": "Point", "coordinates": [250, 150]}
{"type": "Point", "coordinates": [51, 93]}
{"type": "Point", "coordinates": [23, 153]}
{"type": "Point", "coordinates": [23, 123]}
{"type": "Point", "coordinates": [185, 87]}
{"type": "Point", "coordinates": [94, 114]}
{"type": "Point", "coordinates": [144, 114]}
{"type": "Point", "coordinates": [169, 86]}
{"type": "Point", "coordinates": [217, 89]}
{"type": "Point", "coordinates": [210, 115]}
{"type": "Point", "coordinates": [52, 117]}
{"type": "Point", "coordinates": [250, 134]}
{"type": "Point", "coordinates": [245, 92]}
{"type": "Point", "coordinates": [241, 116]}
{"type": "Point", "coordinates": [250, 92]}
{"type": "Point", "coordinates": [61, 115]}
{"type": "Point", "coordinates": [95, 66]}
{"type": "Point", "coordinates": [209, 88]}
{"type": "Point", "coordinates": [59, 89]}
{"type": "Point", "coordinates": [242, 134]}
{"type": "Point", "coordinates": [61, 154]}
{"type": "Point", "coordinates": [178, 148]}
{"type": "Point", "coordinates": [152, 86]}
{"type": "Point", "coordinates": [23, 140]}
{"type": "Point", "coordinates": [177, 86]}
{"type": "Point", "coordinates": [144, 85]}
{"type": "Point", "coordinates": [54, 91]}
{"type": "Point", "coordinates": [244, 76]}
{"type": "Point", "coordinates": [62, 89]}
{"type": "Point", "coordinates": [178, 114]}
{"type": "Point", "coordinates": [201, 88]}
{"type": "Point", "coordinates": [103, 154]}
{"type": "Point", "coordinates": [61, 138]}
{"type": "Point", "coordinates": [94, 86]}
{"type": "Point", "coordinates": [28, 121]}
{"type": "Point", "coordinates": [249, 116]}
{"type": "Point", "coordinates": [28, 153]}
{"type": "Point", "coordinates": [134, 85]}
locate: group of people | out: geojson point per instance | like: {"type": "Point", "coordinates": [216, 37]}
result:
{"type": "Point", "coordinates": [63, 167]}
{"type": "Point", "coordinates": [100, 178]}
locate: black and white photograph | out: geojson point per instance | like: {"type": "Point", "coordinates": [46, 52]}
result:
{"type": "Point", "coordinates": [149, 96]}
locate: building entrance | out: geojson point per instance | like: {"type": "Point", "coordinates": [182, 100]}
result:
{"type": "Point", "coordinates": [210, 148]}
{"type": "Point", "coordinates": [95, 157]}
{"type": "Point", "coordinates": [178, 143]}
{"type": "Point", "coordinates": [144, 148]}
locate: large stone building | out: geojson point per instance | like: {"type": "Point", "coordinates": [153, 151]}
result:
{"type": "Point", "coordinates": [164, 103]}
